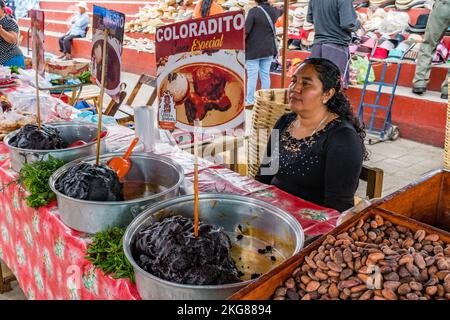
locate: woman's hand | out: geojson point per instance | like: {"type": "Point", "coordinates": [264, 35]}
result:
{"type": "Point", "coordinates": [10, 37]}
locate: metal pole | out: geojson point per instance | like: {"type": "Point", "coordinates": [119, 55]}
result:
{"type": "Point", "coordinates": [285, 32]}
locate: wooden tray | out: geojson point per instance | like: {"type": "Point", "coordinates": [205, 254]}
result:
{"type": "Point", "coordinates": [426, 200]}
{"type": "Point", "coordinates": [264, 287]}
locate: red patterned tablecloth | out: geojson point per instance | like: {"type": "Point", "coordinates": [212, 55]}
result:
{"type": "Point", "coordinates": [48, 258]}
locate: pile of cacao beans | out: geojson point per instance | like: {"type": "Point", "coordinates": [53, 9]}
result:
{"type": "Point", "coordinates": [376, 260]}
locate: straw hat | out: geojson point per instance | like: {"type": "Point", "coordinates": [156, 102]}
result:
{"type": "Point", "coordinates": [82, 4]}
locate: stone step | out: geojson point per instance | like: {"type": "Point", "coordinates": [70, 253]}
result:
{"type": "Point", "coordinates": [132, 60]}
{"type": "Point", "coordinates": [127, 7]}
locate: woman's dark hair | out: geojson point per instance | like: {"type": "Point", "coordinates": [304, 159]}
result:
{"type": "Point", "coordinates": [261, 1]}
{"type": "Point", "coordinates": [2, 4]}
{"type": "Point", "coordinates": [330, 76]}
{"type": "Point", "coordinates": [206, 7]}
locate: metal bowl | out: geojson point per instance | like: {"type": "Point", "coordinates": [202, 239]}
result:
{"type": "Point", "coordinates": [261, 223]}
{"type": "Point", "coordinates": [94, 216]}
{"type": "Point", "coordinates": [70, 132]}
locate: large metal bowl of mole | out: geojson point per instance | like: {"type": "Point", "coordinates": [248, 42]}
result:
{"type": "Point", "coordinates": [70, 132]}
{"type": "Point", "coordinates": [152, 178]}
{"type": "Point", "coordinates": [261, 234]}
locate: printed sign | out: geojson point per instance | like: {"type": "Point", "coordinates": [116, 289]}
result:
{"type": "Point", "coordinates": [37, 33]}
{"type": "Point", "coordinates": [113, 21]}
{"type": "Point", "coordinates": [201, 73]}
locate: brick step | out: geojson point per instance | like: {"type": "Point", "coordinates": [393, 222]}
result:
{"type": "Point", "coordinates": [65, 15]}
{"type": "Point", "coordinates": [419, 118]}
{"type": "Point", "coordinates": [137, 35]}
{"type": "Point", "coordinates": [127, 7]}
{"type": "Point", "coordinates": [132, 60]}
{"type": "Point", "coordinates": [438, 72]}
{"type": "Point", "coordinates": [50, 25]}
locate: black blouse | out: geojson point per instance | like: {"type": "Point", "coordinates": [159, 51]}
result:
{"type": "Point", "coordinates": [323, 168]}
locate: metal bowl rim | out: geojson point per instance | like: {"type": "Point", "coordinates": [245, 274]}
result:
{"type": "Point", "coordinates": [57, 174]}
{"type": "Point", "coordinates": [137, 222]}
{"type": "Point", "coordinates": [56, 124]}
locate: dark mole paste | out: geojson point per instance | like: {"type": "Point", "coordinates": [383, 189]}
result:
{"type": "Point", "coordinates": [169, 250]}
{"type": "Point", "coordinates": [90, 182]}
{"type": "Point", "coordinates": [30, 137]}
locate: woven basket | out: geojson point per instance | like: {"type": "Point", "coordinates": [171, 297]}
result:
{"type": "Point", "coordinates": [447, 135]}
{"type": "Point", "coordinates": [269, 106]}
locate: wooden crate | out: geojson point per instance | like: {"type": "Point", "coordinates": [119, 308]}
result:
{"type": "Point", "coordinates": [264, 287]}
{"type": "Point", "coordinates": [426, 200]}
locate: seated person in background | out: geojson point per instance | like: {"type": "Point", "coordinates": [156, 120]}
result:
{"type": "Point", "coordinates": [10, 53]}
{"type": "Point", "coordinates": [206, 8]}
{"type": "Point", "coordinates": [78, 26]}
{"type": "Point", "coordinates": [320, 143]}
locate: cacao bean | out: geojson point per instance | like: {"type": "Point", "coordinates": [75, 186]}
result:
{"type": "Point", "coordinates": [393, 285]}
{"type": "Point", "coordinates": [312, 286]}
{"type": "Point", "coordinates": [420, 261]}
{"type": "Point", "coordinates": [406, 259]}
{"type": "Point", "coordinates": [379, 220]}
{"type": "Point", "coordinates": [413, 270]}
{"type": "Point", "coordinates": [310, 262]}
{"type": "Point", "coordinates": [280, 292]}
{"type": "Point", "coordinates": [323, 289]}
{"type": "Point", "coordinates": [320, 275]}
{"type": "Point", "coordinates": [440, 290]}
{"type": "Point", "coordinates": [408, 243]}
{"type": "Point", "coordinates": [432, 237]}
{"type": "Point", "coordinates": [332, 273]}
{"type": "Point", "coordinates": [420, 235]}
{"type": "Point", "coordinates": [404, 289]}
{"type": "Point", "coordinates": [366, 295]}
{"type": "Point", "coordinates": [292, 295]}
{"type": "Point", "coordinates": [415, 286]}
{"type": "Point", "coordinates": [438, 250]}
{"type": "Point", "coordinates": [442, 274]}
{"type": "Point", "coordinates": [348, 283]}
{"type": "Point", "coordinates": [306, 297]}
{"type": "Point", "coordinates": [412, 296]}
{"type": "Point", "coordinates": [333, 291]}
{"type": "Point", "coordinates": [371, 235]}
{"type": "Point", "coordinates": [322, 265]}
{"type": "Point", "coordinates": [389, 294]}
{"type": "Point", "coordinates": [346, 273]}
{"type": "Point", "coordinates": [442, 263]}
{"type": "Point", "coordinates": [358, 288]}
{"type": "Point", "coordinates": [305, 279]}
{"type": "Point", "coordinates": [392, 277]}
{"type": "Point", "coordinates": [373, 224]}
{"type": "Point", "coordinates": [376, 256]}
{"type": "Point", "coordinates": [431, 290]}
{"type": "Point", "coordinates": [290, 283]}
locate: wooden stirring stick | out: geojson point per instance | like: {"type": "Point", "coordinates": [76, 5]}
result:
{"type": "Point", "coordinates": [197, 126]}
{"type": "Point", "coordinates": [38, 100]}
{"type": "Point", "coordinates": [102, 93]}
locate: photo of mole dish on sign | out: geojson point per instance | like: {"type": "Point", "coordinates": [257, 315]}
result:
{"type": "Point", "coordinates": [201, 72]}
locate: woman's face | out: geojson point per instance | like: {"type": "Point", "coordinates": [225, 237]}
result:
{"type": "Point", "coordinates": [305, 91]}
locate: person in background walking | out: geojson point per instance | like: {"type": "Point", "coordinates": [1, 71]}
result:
{"type": "Point", "coordinates": [78, 28]}
{"type": "Point", "coordinates": [438, 22]}
{"type": "Point", "coordinates": [260, 45]}
{"type": "Point", "coordinates": [206, 8]}
{"type": "Point", "coordinates": [10, 53]}
{"type": "Point", "coordinates": [334, 21]}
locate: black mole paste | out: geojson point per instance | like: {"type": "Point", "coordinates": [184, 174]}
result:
{"type": "Point", "coordinates": [90, 182]}
{"type": "Point", "coordinates": [30, 137]}
{"type": "Point", "coordinates": [170, 251]}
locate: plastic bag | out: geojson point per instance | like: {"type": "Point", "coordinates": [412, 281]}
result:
{"type": "Point", "coordinates": [394, 22]}
{"type": "Point", "coordinates": [361, 65]}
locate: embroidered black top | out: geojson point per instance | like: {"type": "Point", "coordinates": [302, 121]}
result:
{"type": "Point", "coordinates": [323, 168]}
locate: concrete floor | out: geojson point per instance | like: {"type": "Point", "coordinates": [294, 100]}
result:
{"type": "Point", "coordinates": [402, 161]}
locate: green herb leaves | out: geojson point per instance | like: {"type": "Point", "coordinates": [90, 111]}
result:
{"type": "Point", "coordinates": [34, 176]}
{"type": "Point", "coordinates": [106, 253]}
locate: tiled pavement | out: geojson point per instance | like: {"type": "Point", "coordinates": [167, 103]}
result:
{"type": "Point", "coordinates": [402, 161]}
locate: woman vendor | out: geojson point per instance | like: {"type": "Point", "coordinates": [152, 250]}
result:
{"type": "Point", "coordinates": [10, 53]}
{"type": "Point", "coordinates": [320, 148]}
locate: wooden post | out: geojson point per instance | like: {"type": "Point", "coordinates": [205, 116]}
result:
{"type": "Point", "coordinates": [285, 33]}
{"type": "Point", "coordinates": [447, 135]}
{"type": "Point", "coordinates": [38, 100]}
{"type": "Point", "coordinates": [102, 93]}
{"type": "Point", "coordinates": [197, 128]}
